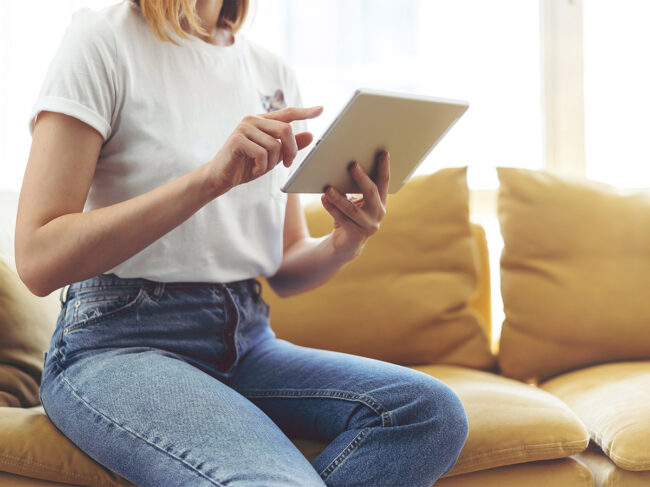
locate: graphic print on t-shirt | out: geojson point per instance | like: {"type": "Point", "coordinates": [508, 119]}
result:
{"type": "Point", "coordinates": [273, 102]}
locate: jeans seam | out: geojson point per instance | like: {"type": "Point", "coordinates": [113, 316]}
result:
{"type": "Point", "coordinates": [129, 306]}
{"type": "Point", "coordinates": [128, 430]}
{"type": "Point", "coordinates": [106, 287]}
{"type": "Point", "coordinates": [377, 408]}
{"type": "Point", "coordinates": [233, 318]}
{"type": "Point", "coordinates": [107, 298]}
{"type": "Point", "coordinates": [344, 454]}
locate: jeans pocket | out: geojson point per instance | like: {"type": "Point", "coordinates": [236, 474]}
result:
{"type": "Point", "coordinates": [90, 306]}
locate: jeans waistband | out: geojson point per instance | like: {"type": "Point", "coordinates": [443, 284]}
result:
{"type": "Point", "coordinates": [156, 288]}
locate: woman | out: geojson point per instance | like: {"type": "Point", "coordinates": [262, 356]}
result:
{"type": "Point", "coordinates": [140, 195]}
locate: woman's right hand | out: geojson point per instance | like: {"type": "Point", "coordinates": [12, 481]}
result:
{"type": "Point", "coordinates": [257, 144]}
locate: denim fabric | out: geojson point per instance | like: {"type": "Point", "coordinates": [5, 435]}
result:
{"type": "Point", "coordinates": [185, 384]}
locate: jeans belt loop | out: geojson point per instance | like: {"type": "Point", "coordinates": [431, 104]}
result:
{"type": "Point", "coordinates": [158, 290]}
{"type": "Point", "coordinates": [61, 294]}
{"type": "Point", "coordinates": [257, 287]}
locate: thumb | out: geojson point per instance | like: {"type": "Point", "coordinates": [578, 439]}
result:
{"type": "Point", "coordinates": [303, 139]}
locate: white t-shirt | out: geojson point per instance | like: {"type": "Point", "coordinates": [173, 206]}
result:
{"type": "Point", "coordinates": [163, 110]}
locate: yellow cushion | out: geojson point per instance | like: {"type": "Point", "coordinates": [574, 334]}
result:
{"type": "Point", "coordinates": [26, 326]}
{"type": "Point", "coordinates": [613, 400]}
{"type": "Point", "coordinates": [607, 474]}
{"type": "Point", "coordinates": [405, 299]}
{"type": "Point", "coordinates": [9, 479]}
{"type": "Point", "coordinates": [575, 272]}
{"type": "Point", "coordinates": [481, 301]}
{"type": "Point", "coordinates": [509, 422]}
{"type": "Point", "coordinates": [30, 445]}
{"type": "Point", "coordinates": [565, 472]}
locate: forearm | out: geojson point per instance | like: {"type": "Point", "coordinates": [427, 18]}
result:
{"type": "Point", "coordinates": [76, 246]}
{"type": "Point", "coordinates": [307, 264]}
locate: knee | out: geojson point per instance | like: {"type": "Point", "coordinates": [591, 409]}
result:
{"type": "Point", "coordinates": [452, 423]}
{"type": "Point", "coordinates": [441, 417]}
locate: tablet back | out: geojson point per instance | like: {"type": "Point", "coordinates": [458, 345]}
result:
{"type": "Point", "coordinates": [408, 126]}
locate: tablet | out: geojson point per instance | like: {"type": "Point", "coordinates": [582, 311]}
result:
{"type": "Point", "coordinates": [408, 126]}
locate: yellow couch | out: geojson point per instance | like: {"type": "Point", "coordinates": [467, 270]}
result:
{"type": "Point", "coordinates": [520, 434]}
{"type": "Point", "coordinates": [510, 423]}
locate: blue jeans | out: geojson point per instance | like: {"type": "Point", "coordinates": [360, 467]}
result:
{"type": "Point", "coordinates": [185, 384]}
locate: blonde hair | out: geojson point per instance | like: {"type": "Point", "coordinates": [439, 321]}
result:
{"type": "Point", "coordinates": [165, 14]}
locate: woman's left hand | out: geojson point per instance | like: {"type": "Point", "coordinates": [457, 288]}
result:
{"type": "Point", "coordinates": [356, 219]}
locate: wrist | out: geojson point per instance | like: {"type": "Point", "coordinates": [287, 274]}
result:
{"type": "Point", "coordinates": [209, 186]}
{"type": "Point", "coordinates": [342, 254]}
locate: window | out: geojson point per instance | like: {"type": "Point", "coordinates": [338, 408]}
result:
{"type": "Point", "coordinates": [466, 49]}
{"type": "Point", "coordinates": [30, 33]}
{"type": "Point", "coordinates": [617, 98]}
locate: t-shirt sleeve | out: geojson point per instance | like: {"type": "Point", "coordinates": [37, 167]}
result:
{"type": "Point", "coordinates": [81, 78]}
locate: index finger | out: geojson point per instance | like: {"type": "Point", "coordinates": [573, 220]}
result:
{"type": "Point", "coordinates": [383, 176]}
{"type": "Point", "coordinates": [290, 114]}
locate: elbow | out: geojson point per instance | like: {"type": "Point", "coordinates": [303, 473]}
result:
{"type": "Point", "coordinates": [32, 281]}
{"type": "Point", "coordinates": [281, 293]}
{"type": "Point", "coordinates": [31, 274]}
{"type": "Point", "coordinates": [278, 289]}
{"type": "Point", "coordinates": [284, 292]}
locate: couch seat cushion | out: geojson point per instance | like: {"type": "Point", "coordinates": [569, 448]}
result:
{"type": "Point", "coordinates": [608, 474]}
{"type": "Point", "coordinates": [12, 480]}
{"type": "Point", "coordinates": [406, 298]}
{"type": "Point", "coordinates": [613, 400]}
{"type": "Point", "coordinates": [509, 422]}
{"type": "Point", "coordinates": [30, 445]}
{"type": "Point", "coordinates": [565, 472]}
